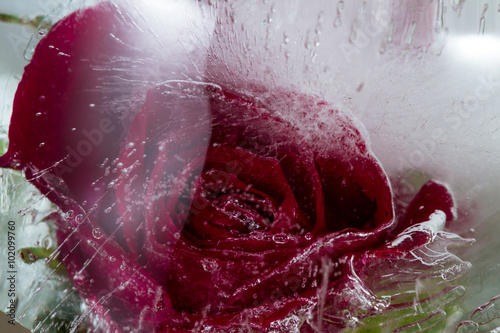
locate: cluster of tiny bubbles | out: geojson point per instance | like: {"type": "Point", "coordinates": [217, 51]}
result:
{"type": "Point", "coordinates": [280, 238]}
{"type": "Point", "coordinates": [103, 164]}
{"type": "Point", "coordinates": [455, 271]}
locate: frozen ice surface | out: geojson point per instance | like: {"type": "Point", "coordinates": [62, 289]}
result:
{"type": "Point", "coordinates": [428, 101]}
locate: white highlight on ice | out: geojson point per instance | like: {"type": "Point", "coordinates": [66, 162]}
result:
{"type": "Point", "coordinates": [483, 50]}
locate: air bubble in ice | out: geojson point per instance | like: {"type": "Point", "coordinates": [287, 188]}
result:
{"type": "Point", "coordinates": [286, 39]}
{"type": "Point", "coordinates": [97, 233]}
{"type": "Point", "coordinates": [209, 265]}
{"type": "Point", "coordinates": [337, 22]}
{"type": "Point", "coordinates": [79, 218]}
{"type": "Point", "coordinates": [47, 242]}
{"type": "Point", "coordinates": [340, 7]}
{"type": "Point", "coordinates": [104, 163]}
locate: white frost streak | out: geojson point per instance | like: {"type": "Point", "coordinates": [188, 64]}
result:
{"type": "Point", "coordinates": [434, 225]}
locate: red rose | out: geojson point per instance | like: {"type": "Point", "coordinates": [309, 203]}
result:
{"type": "Point", "coordinates": [214, 209]}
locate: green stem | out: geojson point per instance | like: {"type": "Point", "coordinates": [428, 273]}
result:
{"type": "Point", "coordinates": [23, 20]}
{"type": "Point", "coordinates": [31, 254]}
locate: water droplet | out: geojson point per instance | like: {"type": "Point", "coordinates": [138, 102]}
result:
{"type": "Point", "coordinates": [97, 233]}
{"type": "Point", "coordinates": [209, 265]}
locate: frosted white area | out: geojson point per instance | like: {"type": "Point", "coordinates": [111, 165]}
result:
{"type": "Point", "coordinates": [431, 108]}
